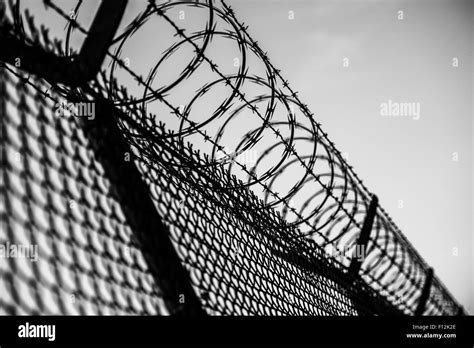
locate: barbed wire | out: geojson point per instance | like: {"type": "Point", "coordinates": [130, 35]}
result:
{"type": "Point", "coordinates": [332, 215]}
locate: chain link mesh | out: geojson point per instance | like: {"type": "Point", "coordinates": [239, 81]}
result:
{"type": "Point", "coordinates": [248, 245]}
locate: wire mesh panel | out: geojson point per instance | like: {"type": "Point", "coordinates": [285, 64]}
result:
{"type": "Point", "coordinates": [58, 201]}
{"type": "Point", "coordinates": [81, 255]}
{"type": "Point", "coordinates": [263, 211]}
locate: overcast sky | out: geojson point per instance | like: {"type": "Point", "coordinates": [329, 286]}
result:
{"type": "Point", "coordinates": [408, 60]}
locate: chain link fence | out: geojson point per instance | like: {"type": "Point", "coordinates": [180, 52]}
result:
{"type": "Point", "coordinates": [216, 192]}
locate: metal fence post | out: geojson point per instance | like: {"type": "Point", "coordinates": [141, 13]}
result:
{"type": "Point", "coordinates": [134, 197]}
{"type": "Point", "coordinates": [425, 293]}
{"type": "Point", "coordinates": [363, 239]}
{"type": "Point", "coordinates": [71, 70]}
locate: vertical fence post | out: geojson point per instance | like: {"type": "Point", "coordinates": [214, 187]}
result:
{"type": "Point", "coordinates": [134, 197]}
{"type": "Point", "coordinates": [109, 148]}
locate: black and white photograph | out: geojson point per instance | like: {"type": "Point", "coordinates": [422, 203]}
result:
{"type": "Point", "coordinates": [236, 169]}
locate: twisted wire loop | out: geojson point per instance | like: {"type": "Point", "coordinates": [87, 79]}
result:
{"type": "Point", "coordinates": [264, 211]}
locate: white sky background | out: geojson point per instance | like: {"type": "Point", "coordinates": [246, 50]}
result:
{"type": "Point", "coordinates": [407, 60]}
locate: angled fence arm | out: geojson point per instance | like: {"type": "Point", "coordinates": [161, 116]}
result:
{"type": "Point", "coordinates": [73, 71]}
{"type": "Point", "coordinates": [364, 236]}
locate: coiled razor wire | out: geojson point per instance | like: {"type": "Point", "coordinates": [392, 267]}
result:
{"type": "Point", "coordinates": [245, 230]}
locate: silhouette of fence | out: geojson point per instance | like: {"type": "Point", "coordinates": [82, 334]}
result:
{"type": "Point", "coordinates": [141, 215]}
